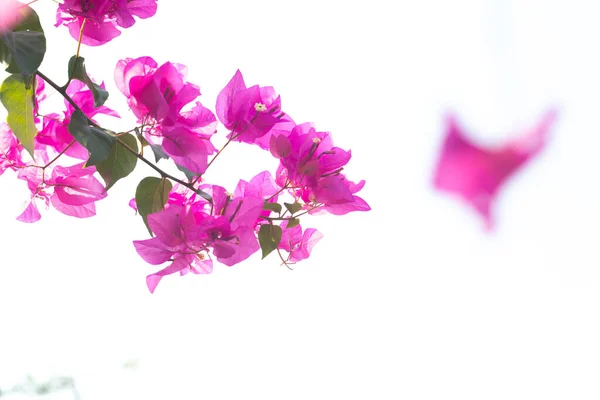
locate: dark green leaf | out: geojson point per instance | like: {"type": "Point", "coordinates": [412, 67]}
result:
{"type": "Point", "coordinates": [27, 51]}
{"type": "Point", "coordinates": [188, 174]}
{"type": "Point", "coordinates": [293, 208]}
{"type": "Point", "coordinates": [97, 141]}
{"type": "Point", "coordinates": [273, 207]}
{"type": "Point", "coordinates": [120, 161]}
{"type": "Point", "coordinates": [17, 96]}
{"type": "Point", "coordinates": [151, 196]}
{"type": "Point", "coordinates": [293, 222]}
{"type": "Point", "coordinates": [159, 153]}
{"type": "Point", "coordinates": [23, 47]}
{"type": "Point", "coordinates": [77, 71]}
{"type": "Point", "coordinates": [269, 237]}
{"type": "Point", "coordinates": [204, 195]}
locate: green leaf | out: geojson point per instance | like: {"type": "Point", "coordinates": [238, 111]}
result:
{"type": "Point", "coordinates": [159, 153]}
{"type": "Point", "coordinates": [77, 71]}
{"type": "Point", "coordinates": [293, 222]}
{"type": "Point", "coordinates": [269, 237]}
{"type": "Point", "coordinates": [99, 142]}
{"type": "Point", "coordinates": [293, 208]}
{"type": "Point", "coordinates": [27, 51]}
{"type": "Point", "coordinates": [23, 47]}
{"type": "Point", "coordinates": [17, 97]}
{"type": "Point", "coordinates": [276, 207]}
{"type": "Point", "coordinates": [151, 196]}
{"type": "Point", "coordinates": [120, 161]}
{"type": "Point", "coordinates": [204, 195]}
{"type": "Point", "coordinates": [188, 174]}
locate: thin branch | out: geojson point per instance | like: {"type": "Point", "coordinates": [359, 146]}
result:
{"type": "Point", "coordinates": [162, 173]}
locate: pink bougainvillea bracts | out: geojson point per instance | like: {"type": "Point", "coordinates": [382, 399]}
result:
{"type": "Point", "coordinates": [249, 113]}
{"type": "Point", "coordinates": [157, 96]}
{"type": "Point", "coordinates": [60, 153]}
{"type": "Point", "coordinates": [476, 174]}
{"type": "Point", "coordinates": [72, 191]}
{"type": "Point", "coordinates": [11, 13]}
{"type": "Point", "coordinates": [100, 18]}
{"type": "Point", "coordinates": [312, 166]}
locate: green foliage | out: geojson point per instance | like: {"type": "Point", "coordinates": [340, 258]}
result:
{"type": "Point", "coordinates": [293, 222]}
{"type": "Point", "coordinates": [151, 196]}
{"type": "Point", "coordinates": [99, 142]}
{"type": "Point", "coordinates": [273, 207]}
{"type": "Point", "coordinates": [159, 153]}
{"type": "Point", "coordinates": [77, 71]}
{"type": "Point", "coordinates": [120, 161]}
{"type": "Point", "coordinates": [188, 174]}
{"type": "Point", "coordinates": [24, 47]}
{"type": "Point", "coordinates": [17, 97]}
{"type": "Point", "coordinates": [269, 237]}
{"type": "Point", "coordinates": [293, 208]}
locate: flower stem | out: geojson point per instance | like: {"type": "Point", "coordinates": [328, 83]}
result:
{"type": "Point", "coordinates": [80, 37]}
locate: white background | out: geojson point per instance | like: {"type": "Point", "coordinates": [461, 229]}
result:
{"type": "Point", "coordinates": [409, 301]}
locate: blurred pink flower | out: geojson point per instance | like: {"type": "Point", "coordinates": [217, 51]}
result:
{"type": "Point", "coordinates": [10, 14]}
{"type": "Point", "coordinates": [102, 17]}
{"type": "Point", "coordinates": [476, 174]}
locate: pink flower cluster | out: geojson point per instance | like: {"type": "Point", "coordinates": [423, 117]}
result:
{"type": "Point", "coordinates": [100, 18]}
{"type": "Point", "coordinates": [156, 96]}
{"type": "Point", "coordinates": [198, 221]}
{"type": "Point", "coordinates": [191, 228]}
{"type": "Point", "coordinates": [72, 188]}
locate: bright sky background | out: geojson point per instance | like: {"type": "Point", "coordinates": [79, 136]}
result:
{"type": "Point", "coordinates": [409, 301]}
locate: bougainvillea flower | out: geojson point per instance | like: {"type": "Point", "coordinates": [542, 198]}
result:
{"type": "Point", "coordinates": [356, 204]}
{"type": "Point", "coordinates": [309, 155]}
{"type": "Point", "coordinates": [158, 92]}
{"type": "Point", "coordinates": [11, 14]}
{"type": "Point", "coordinates": [298, 244]}
{"type": "Point", "coordinates": [187, 141]}
{"type": "Point", "coordinates": [175, 241]}
{"type": "Point", "coordinates": [248, 112]}
{"type": "Point", "coordinates": [476, 174]}
{"type": "Point", "coordinates": [185, 235]}
{"type": "Point", "coordinates": [157, 95]}
{"type": "Point", "coordinates": [101, 17]}
{"type": "Point", "coordinates": [72, 191]}
{"type": "Point", "coordinates": [312, 166]}
{"type": "Point", "coordinates": [10, 150]}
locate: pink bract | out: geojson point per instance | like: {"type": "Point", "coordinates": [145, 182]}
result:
{"type": "Point", "coordinates": [476, 174]}
{"type": "Point", "coordinates": [10, 14]}
{"type": "Point", "coordinates": [248, 112]}
{"type": "Point", "coordinates": [157, 96]}
{"type": "Point", "coordinates": [312, 165]}
{"type": "Point", "coordinates": [101, 17]}
{"type": "Point", "coordinates": [297, 243]}
{"type": "Point", "coordinates": [71, 190]}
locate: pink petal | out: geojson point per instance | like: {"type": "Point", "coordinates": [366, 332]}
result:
{"type": "Point", "coordinates": [226, 97]}
{"type": "Point", "coordinates": [186, 148]}
{"type": "Point", "coordinates": [309, 239]}
{"type": "Point", "coordinates": [30, 214]}
{"type": "Point", "coordinates": [153, 251]}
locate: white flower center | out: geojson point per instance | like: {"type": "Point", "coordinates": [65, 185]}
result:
{"type": "Point", "coordinates": [260, 107]}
